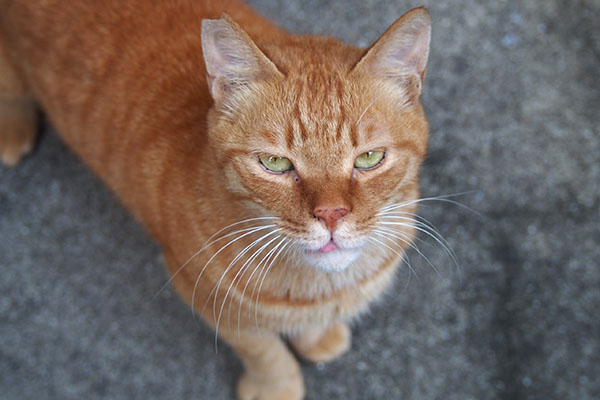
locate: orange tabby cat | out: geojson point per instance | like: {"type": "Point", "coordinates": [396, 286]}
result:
{"type": "Point", "coordinates": [262, 162]}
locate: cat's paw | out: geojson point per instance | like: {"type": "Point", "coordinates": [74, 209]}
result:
{"type": "Point", "coordinates": [289, 388]}
{"type": "Point", "coordinates": [326, 347]}
{"type": "Point", "coordinates": [18, 128]}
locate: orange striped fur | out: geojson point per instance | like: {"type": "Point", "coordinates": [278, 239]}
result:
{"type": "Point", "coordinates": [173, 104]}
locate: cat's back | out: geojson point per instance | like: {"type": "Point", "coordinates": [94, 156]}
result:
{"type": "Point", "coordinates": [87, 62]}
{"type": "Point", "coordinates": [115, 75]}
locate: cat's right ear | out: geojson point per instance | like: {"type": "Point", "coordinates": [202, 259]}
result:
{"type": "Point", "coordinates": [400, 55]}
{"type": "Point", "coordinates": [232, 59]}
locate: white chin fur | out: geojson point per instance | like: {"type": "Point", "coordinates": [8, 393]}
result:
{"type": "Point", "coordinates": [333, 261]}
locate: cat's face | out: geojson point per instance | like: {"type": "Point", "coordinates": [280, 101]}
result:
{"type": "Point", "coordinates": [322, 146]}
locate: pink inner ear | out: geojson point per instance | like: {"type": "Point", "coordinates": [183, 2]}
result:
{"type": "Point", "coordinates": [225, 53]}
{"type": "Point", "coordinates": [402, 51]}
{"type": "Point", "coordinates": [231, 57]}
{"type": "Point", "coordinates": [408, 50]}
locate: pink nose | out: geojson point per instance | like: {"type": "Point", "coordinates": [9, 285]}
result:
{"type": "Point", "coordinates": [330, 215]}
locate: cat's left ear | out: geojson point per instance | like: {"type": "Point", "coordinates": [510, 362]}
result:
{"type": "Point", "coordinates": [232, 59]}
{"type": "Point", "coordinates": [400, 54]}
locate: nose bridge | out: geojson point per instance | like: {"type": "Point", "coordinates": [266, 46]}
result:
{"type": "Point", "coordinates": [330, 200]}
{"type": "Point", "coordinates": [329, 190]}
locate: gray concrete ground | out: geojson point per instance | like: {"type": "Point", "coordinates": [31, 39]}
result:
{"type": "Point", "coordinates": [513, 97]}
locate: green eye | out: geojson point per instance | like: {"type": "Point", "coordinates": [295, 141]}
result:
{"type": "Point", "coordinates": [369, 159]}
{"type": "Point", "coordinates": [276, 164]}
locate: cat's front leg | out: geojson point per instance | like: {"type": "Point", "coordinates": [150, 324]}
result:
{"type": "Point", "coordinates": [272, 372]}
{"type": "Point", "coordinates": [323, 345]}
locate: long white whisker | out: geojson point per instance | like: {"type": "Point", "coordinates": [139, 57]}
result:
{"type": "Point", "coordinates": [241, 273]}
{"type": "Point", "coordinates": [261, 284]}
{"type": "Point", "coordinates": [265, 260]}
{"type": "Point", "coordinates": [403, 257]}
{"type": "Point", "coordinates": [393, 213]}
{"type": "Point", "coordinates": [366, 109]}
{"type": "Point", "coordinates": [444, 198]}
{"type": "Point", "coordinates": [395, 234]}
{"type": "Point", "coordinates": [231, 264]}
{"type": "Point", "coordinates": [378, 245]}
{"type": "Point", "coordinates": [441, 241]}
{"type": "Point", "coordinates": [415, 239]}
{"type": "Point", "coordinates": [291, 247]}
{"type": "Point", "coordinates": [420, 221]}
{"type": "Point", "coordinates": [207, 244]}
{"type": "Point", "coordinates": [430, 231]}
{"type": "Point", "coordinates": [217, 253]}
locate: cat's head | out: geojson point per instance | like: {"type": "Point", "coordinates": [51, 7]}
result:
{"type": "Point", "coordinates": [316, 133]}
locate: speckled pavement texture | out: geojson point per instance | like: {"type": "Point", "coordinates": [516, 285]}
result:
{"type": "Point", "coordinates": [513, 98]}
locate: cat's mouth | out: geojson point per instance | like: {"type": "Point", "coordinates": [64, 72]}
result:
{"type": "Point", "coordinates": [330, 246]}
{"type": "Point", "coordinates": [327, 248]}
{"type": "Point", "coordinates": [331, 257]}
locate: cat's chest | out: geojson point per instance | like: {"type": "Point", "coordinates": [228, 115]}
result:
{"type": "Point", "coordinates": [290, 315]}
